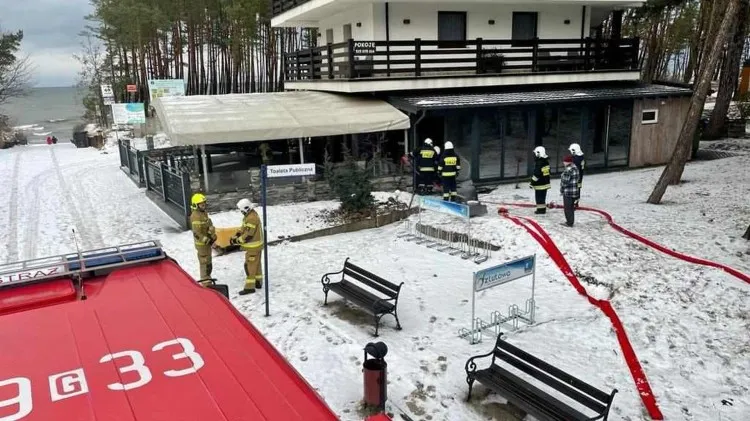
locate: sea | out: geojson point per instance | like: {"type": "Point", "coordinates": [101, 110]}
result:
{"type": "Point", "coordinates": [46, 112]}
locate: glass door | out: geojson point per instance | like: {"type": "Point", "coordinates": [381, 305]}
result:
{"type": "Point", "coordinates": [618, 134]}
{"type": "Point", "coordinates": [517, 150]}
{"type": "Point", "coordinates": [491, 122]}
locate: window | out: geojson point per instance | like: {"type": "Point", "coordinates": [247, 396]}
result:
{"type": "Point", "coordinates": [451, 29]}
{"type": "Point", "coordinates": [524, 27]}
{"type": "Point", "coordinates": [650, 116]}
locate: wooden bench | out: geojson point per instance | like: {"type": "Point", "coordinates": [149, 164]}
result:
{"type": "Point", "coordinates": [347, 287]}
{"type": "Point", "coordinates": [532, 399]}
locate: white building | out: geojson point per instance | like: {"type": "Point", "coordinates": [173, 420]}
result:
{"type": "Point", "coordinates": [495, 77]}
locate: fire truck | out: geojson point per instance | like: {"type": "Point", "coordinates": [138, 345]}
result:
{"type": "Point", "coordinates": [125, 334]}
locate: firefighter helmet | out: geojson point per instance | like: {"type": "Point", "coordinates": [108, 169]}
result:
{"type": "Point", "coordinates": [245, 205]}
{"type": "Point", "coordinates": [540, 152]}
{"type": "Point", "coordinates": [197, 199]}
{"type": "Point", "coordinates": [448, 145]}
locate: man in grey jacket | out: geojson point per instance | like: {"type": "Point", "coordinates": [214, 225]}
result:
{"type": "Point", "coordinates": [569, 189]}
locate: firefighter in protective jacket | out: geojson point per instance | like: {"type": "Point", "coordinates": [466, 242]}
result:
{"type": "Point", "coordinates": [449, 166]}
{"type": "Point", "coordinates": [204, 235]}
{"type": "Point", "coordinates": [425, 163]}
{"type": "Point", "coordinates": [250, 239]}
{"type": "Point", "coordinates": [540, 181]}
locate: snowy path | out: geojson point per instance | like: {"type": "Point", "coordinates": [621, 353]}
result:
{"type": "Point", "coordinates": [688, 324]}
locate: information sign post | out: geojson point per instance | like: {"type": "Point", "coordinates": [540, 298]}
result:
{"type": "Point", "coordinates": [276, 171]}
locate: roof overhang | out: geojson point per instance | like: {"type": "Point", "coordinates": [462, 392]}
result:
{"type": "Point", "coordinates": [212, 119]}
{"type": "Point", "coordinates": [414, 103]}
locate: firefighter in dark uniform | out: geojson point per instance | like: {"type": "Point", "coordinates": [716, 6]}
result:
{"type": "Point", "coordinates": [425, 163]}
{"type": "Point", "coordinates": [540, 179]}
{"type": "Point", "coordinates": [448, 168]}
{"type": "Point", "coordinates": [580, 162]}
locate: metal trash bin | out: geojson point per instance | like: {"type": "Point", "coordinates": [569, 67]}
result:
{"type": "Point", "coordinates": [375, 375]}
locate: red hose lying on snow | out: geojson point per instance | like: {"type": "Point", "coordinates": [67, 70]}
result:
{"type": "Point", "coordinates": [734, 272]}
{"type": "Point", "coordinates": [636, 371]}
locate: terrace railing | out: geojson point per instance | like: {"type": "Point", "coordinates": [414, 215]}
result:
{"type": "Point", "coordinates": [416, 58]}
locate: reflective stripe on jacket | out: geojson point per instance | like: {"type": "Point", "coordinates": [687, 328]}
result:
{"type": "Point", "coordinates": [450, 164]}
{"type": "Point", "coordinates": [426, 158]}
{"type": "Point", "coordinates": [540, 178]}
{"type": "Point", "coordinates": [203, 229]}
{"type": "Point", "coordinates": [251, 232]}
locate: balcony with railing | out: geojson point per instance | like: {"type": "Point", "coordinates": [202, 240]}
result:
{"type": "Point", "coordinates": [359, 61]}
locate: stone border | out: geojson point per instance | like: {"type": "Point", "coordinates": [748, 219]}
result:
{"type": "Point", "coordinates": [369, 223]}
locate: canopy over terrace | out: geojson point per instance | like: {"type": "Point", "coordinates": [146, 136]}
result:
{"type": "Point", "coordinates": [211, 119]}
{"type": "Point", "coordinates": [215, 119]}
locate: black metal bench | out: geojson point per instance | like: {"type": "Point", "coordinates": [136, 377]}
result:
{"type": "Point", "coordinates": [532, 399]}
{"type": "Point", "coordinates": [367, 300]}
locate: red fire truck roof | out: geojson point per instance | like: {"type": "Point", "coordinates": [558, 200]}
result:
{"type": "Point", "coordinates": [147, 343]}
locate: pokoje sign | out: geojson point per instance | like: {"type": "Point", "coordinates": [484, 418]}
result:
{"type": "Point", "coordinates": [364, 47]}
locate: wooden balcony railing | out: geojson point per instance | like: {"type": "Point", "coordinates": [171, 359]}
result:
{"type": "Point", "coordinates": [280, 6]}
{"type": "Point", "coordinates": [416, 58]}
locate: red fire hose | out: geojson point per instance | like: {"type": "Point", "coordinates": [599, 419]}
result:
{"type": "Point", "coordinates": [691, 259]}
{"type": "Point", "coordinates": [639, 377]}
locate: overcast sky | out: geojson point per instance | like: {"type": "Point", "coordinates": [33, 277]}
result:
{"type": "Point", "coordinates": [50, 35]}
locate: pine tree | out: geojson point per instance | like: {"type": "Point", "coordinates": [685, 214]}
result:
{"type": "Point", "coordinates": [351, 183]}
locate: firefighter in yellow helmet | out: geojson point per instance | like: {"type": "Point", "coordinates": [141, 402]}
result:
{"type": "Point", "coordinates": [250, 239]}
{"type": "Point", "coordinates": [204, 235]}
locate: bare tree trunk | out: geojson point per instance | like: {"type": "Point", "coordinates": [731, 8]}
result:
{"type": "Point", "coordinates": [697, 40]}
{"type": "Point", "coordinates": [673, 171]}
{"type": "Point", "coordinates": [730, 73]}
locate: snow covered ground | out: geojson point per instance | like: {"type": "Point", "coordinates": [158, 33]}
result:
{"type": "Point", "coordinates": [689, 325]}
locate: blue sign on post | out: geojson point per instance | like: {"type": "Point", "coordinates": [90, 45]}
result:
{"type": "Point", "coordinates": [492, 277]}
{"type": "Point", "coordinates": [442, 206]}
{"type": "Point", "coordinates": [501, 274]}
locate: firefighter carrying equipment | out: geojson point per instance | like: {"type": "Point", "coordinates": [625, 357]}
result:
{"type": "Point", "coordinates": [250, 235]}
{"type": "Point", "coordinates": [250, 239]}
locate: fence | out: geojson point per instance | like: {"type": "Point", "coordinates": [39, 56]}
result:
{"type": "Point", "coordinates": [168, 184]}
{"type": "Point", "coordinates": [131, 161]}
{"type": "Point", "coordinates": [362, 59]}
{"type": "Point", "coordinates": [173, 187]}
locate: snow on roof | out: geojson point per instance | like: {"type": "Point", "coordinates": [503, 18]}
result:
{"type": "Point", "coordinates": [208, 119]}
